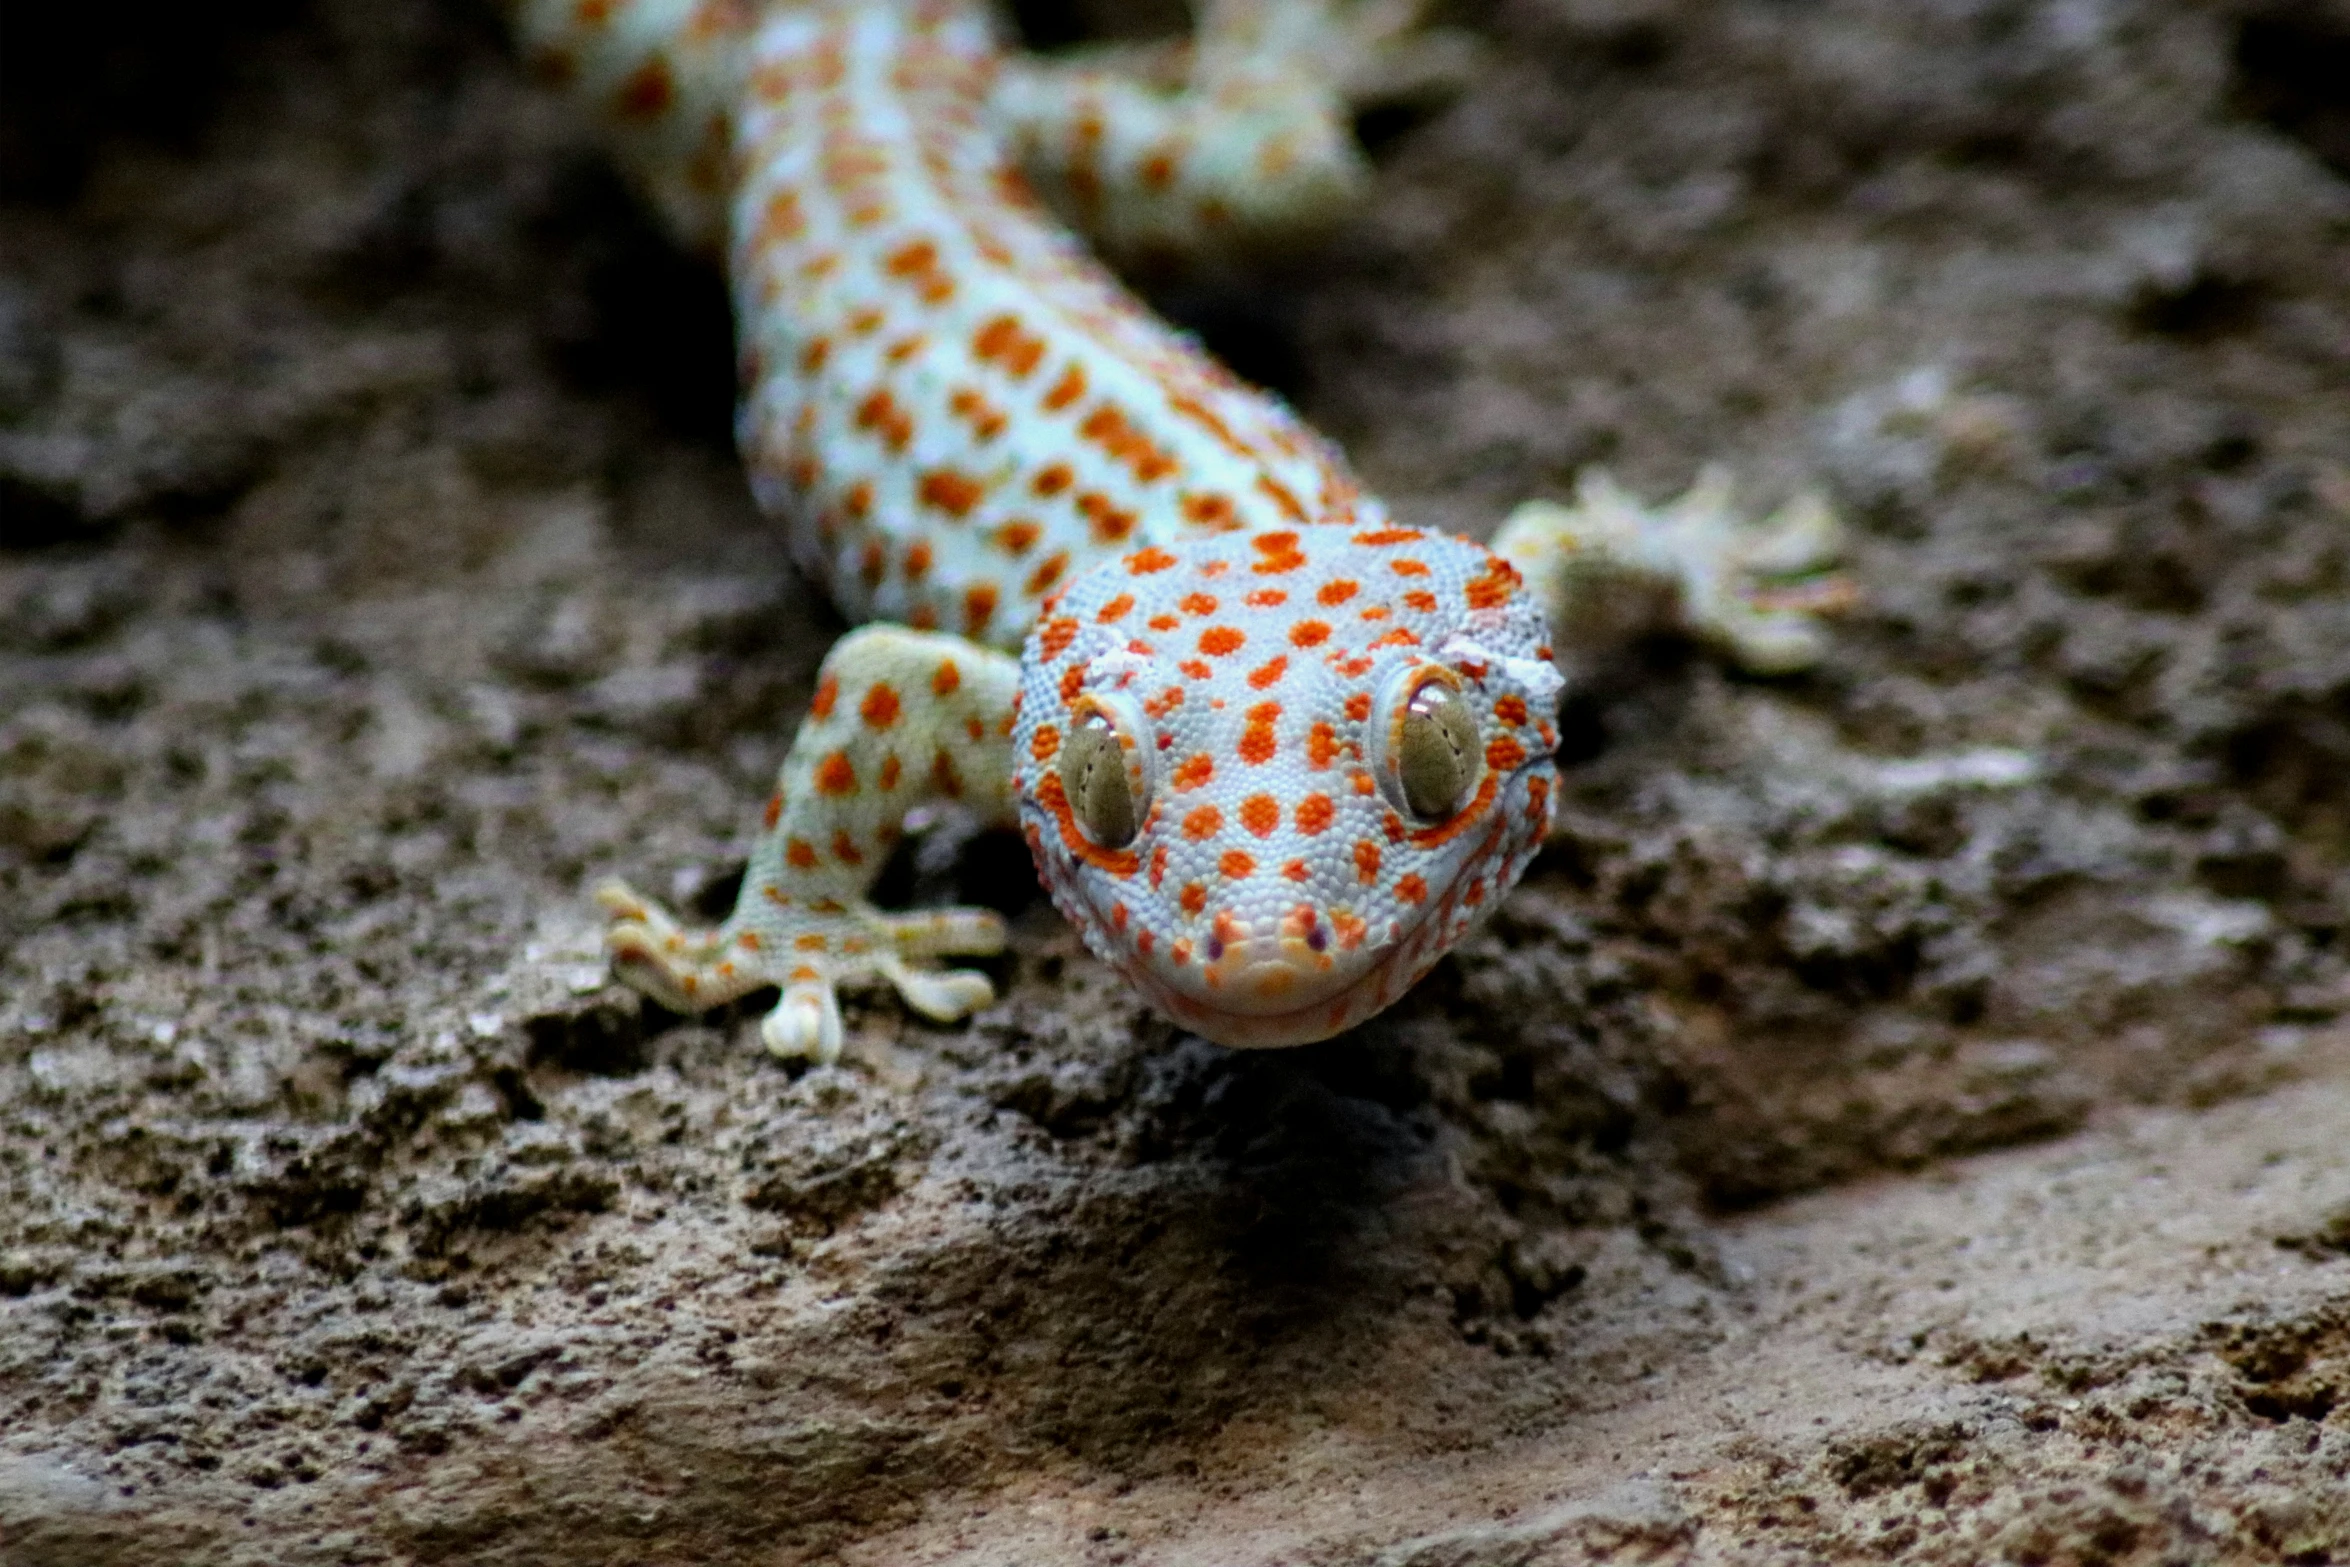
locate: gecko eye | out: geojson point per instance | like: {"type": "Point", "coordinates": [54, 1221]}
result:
{"type": "Point", "coordinates": [1434, 756]}
{"type": "Point", "coordinates": [1105, 771]}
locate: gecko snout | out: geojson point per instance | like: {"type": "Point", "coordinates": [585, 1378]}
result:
{"type": "Point", "coordinates": [1275, 961]}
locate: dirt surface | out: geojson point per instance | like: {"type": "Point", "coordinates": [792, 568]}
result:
{"type": "Point", "coordinates": [1900, 1119]}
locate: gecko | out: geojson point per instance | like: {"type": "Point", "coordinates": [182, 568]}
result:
{"type": "Point", "coordinates": [1273, 750]}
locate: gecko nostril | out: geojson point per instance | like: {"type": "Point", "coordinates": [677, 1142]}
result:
{"type": "Point", "coordinates": [1318, 939]}
{"type": "Point", "coordinates": [1215, 949]}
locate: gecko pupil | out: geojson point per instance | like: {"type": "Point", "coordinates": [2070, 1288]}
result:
{"type": "Point", "coordinates": [1438, 758]}
{"type": "Point", "coordinates": [1093, 776]}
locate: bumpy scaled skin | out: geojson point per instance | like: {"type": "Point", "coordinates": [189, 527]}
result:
{"type": "Point", "coordinates": [1281, 888]}
{"type": "Point", "coordinates": [969, 429]}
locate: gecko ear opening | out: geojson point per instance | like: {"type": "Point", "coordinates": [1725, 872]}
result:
{"type": "Point", "coordinates": [1104, 772]}
{"type": "Point", "coordinates": [1433, 755]}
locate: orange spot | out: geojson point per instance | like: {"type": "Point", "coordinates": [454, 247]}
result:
{"type": "Point", "coordinates": [1115, 609]}
{"type": "Point", "coordinates": [834, 775]}
{"type": "Point", "coordinates": [1164, 622]}
{"type": "Point", "coordinates": [1236, 865]}
{"type": "Point", "coordinates": [1205, 822]}
{"type": "Point", "coordinates": [1047, 572]}
{"type": "Point", "coordinates": [1143, 562]}
{"type": "Point", "coordinates": [1420, 600]}
{"type": "Point", "coordinates": [1321, 744]}
{"type": "Point", "coordinates": [1194, 898]}
{"type": "Point", "coordinates": [1510, 710]}
{"type": "Point", "coordinates": [1401, 636]}
{"type": "Point", "coordinates": [1069, 388]}
{"type": "Point", "coordinates": [1165, 702]}
{"type": "Point", "coordinates": [1412, 889]}
{"type": "Point", "coordinates": [1195, 770]}
{"type": "Point", "coordinates": [1493, 590]}
{"type": "Point", "coordinates": [1296, 870]}
{"type": "Point", "coordinates": [880, 707]}
{"type": "Point", "coordinates": [1358, 706]}
{"type": "Point", "coordinates": [1366, 861]}
{"type": "Point", "coordinates": [1279, 549]}
{"type": "Point", "coordinates": [1268, 672]}
{"type": "Point", "coordinates": [889, 771]}
{"type": "Point", "coordinates": [944, 778]}
{"type": "Point", "coordinates": [1107, 427]}
{"type": "Point", "coordinates": [979, 603]}
{"type": "Point", "coordinates": [774, 809]}
{"type": "Point", "coordinates": [986, 420]}
{"type": "Point", "coordinates": [1197, 604]}
{"type": "Point", "coordinates": [1206, 509]}
{"type": "Point", "coordinates": [1197, 669]}
{"type": "Point", "coordinates": [1337, 592]}
{"type": "Point", "coordinates": [1072, 681]}
{"type": "Point", "coordinates": [917, 559]}
{"type": "Point", "coordinates": [1260, 814]}
{"type": "Point", "coordinates": [1267, 598]}
{"type": "Point", "coordinates": [1180, 952]}
{"type": "Point", "coordinates": [1377, 612]}
{"type": "Point", "coordinates": [827, 693]}
{"type": "Point", "coordinates": [1053, 479]}
{"type": "Point", "coordinates": [1408, 568]}
{"type": "Point", "coordinates": [1111, 524]}
{"type": "Point", "coordinates": [1350, 930]}
{"type": "Point", "coordinates": [799, 852]}
{"type": "Point", "coordinates": [1314, 813]}
{"type": "Point", "coordinates": [1017, 535]}
{"type": "Point", "coordinates": [1144, 941]}
{"type": "Point", "coordinates": [844, 849]}
{"type": "Point", "coordinates": [1286, 499]}
{"type": "Point", "coordinates": [1503, 754]}
{"type": "Point", "coordinates": [1054, 639]}
{"type": "Point", "coordinates": [879, 412]}
{"type": "Point", "coordinates": [1158, 866]}
{"type": "Point", "coordinates": [1216, 641]}
{"type": "Point", "coordinates": [1309, 633]}
{"type": "Point", "coordinates": [951, 492]}
{"type": "Point", "coordinates": [859, 500]}
{"type": "Point", "coordinates": [1045, 743]}
{"type": "Point", "coordinates": [1390, 536]}
{"type": "Point", "coordinates": [945, 680]}
{"type": "Point", "coordinates": [1002, 341]}
{"type": "Point", "coordinates": [1257, 744]}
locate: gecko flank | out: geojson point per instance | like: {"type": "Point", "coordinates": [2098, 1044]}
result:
{"type": "Point", "coordinates": [1273, 752]}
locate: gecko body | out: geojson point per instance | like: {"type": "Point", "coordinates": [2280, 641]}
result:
{"type": "Point", "coordinates": [1272, 751]}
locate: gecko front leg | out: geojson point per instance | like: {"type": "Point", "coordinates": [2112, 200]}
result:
{"type": "Point", "coordinates": [900, 719]}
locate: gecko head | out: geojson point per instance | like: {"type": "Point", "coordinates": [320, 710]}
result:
{"type": "Point", "coordinates": [1272, 779]}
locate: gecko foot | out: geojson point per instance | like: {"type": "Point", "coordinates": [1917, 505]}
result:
{"type": "Point", "coordinates": [807, 952]}
{"type": "Point", "coordinates": [1760, 591]}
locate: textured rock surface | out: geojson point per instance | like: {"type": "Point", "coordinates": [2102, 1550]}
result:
{"type": "Point", "coordinates": [1901, 1120]}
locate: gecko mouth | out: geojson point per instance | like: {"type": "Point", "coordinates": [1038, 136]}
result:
{"type": "Point", "coordinates": [1274, 981]}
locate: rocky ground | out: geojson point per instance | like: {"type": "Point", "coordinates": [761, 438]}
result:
{"type": "Point", "coordinates": [1902, 1118]}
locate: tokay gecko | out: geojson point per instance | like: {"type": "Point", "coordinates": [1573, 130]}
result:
{"type": "Point", "coordinates": [1273, 750]}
